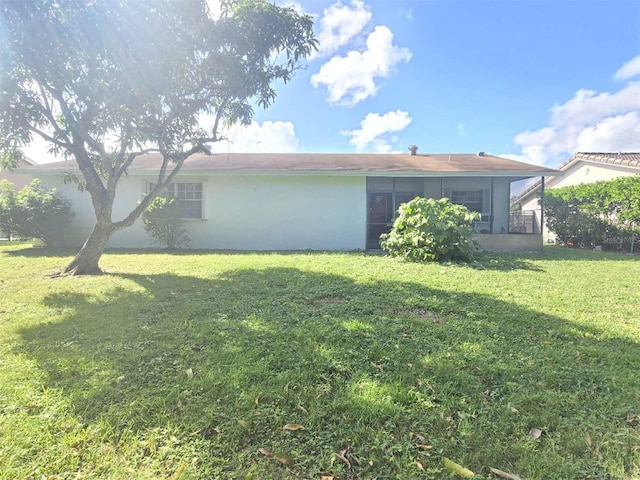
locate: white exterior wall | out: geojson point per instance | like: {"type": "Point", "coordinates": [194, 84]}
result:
{"type": "Point", "coordinates": [245, 213]}
{"type": "Point", "coordinates": [581, 172]}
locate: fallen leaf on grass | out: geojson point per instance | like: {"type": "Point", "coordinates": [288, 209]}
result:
{"type": "Point", "coordinates": [326, 477]}
{"type": "Point", "coordinates": [343, 458]}
{"type": "Point", "coordinates": [189, 372]}
{"type": "Point", "coordinates": [419, 437]}
{"type": "Point", "coordinates": [535, 433]}
{"type": "Point", "coordinates": [265, 452]}
{"type": "Point", "coordinates": [302, 409]}
{"type": "Point", "coordinates": [293, 427]}
{"type": "Point", "coordinates": [284, 459]}
{"type": "Point", "coordinates": [508, 476]}
{"type": "Point", "coordinates": [458, 469]}
{"type": "Point", "coordinates": [281, 458]}
{"type": "Point", "coordinates": [424, 447]}
{"type": "Point", "coordinates": [419, 464]}
{"type": "Point", "coordinates": [379, 367]}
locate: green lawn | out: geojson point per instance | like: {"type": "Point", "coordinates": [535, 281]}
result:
{"type": "Point", "coordinates": [189, 365]}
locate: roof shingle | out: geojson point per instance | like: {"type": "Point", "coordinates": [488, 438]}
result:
{"type": "Point", "coordinates": [398, 164]}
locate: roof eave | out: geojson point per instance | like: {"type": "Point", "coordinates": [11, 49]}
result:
{"type": "Point", "coordinates": [348, 173]}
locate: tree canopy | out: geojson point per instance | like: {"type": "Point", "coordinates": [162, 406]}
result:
{"type": "Point", "coordinates": [106, 81]}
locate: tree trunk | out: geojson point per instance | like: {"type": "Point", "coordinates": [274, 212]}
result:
{"type": "Point", "coordinates": [86, 261]}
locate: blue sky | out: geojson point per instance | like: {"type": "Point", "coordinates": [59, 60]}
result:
{"type": "Point", "coordinates": [532, 80]}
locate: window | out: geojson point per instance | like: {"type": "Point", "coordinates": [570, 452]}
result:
{"type": "Point", "coordinates": [188, 196]}
{"type": "Point", "coordinates": [472, 199]}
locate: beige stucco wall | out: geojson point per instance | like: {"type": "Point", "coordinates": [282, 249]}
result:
{"type": "Point", "coordinates": [246, 213]}
{"type": "Point", "coordinates": [586, 172]}
{"type": "Point", "coordinates": [581, 172]}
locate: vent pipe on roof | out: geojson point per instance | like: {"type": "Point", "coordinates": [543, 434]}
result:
{"type": "Point", "coordinates": [413, 149]}
{"type": "Point", "coordinates": [480, 154]}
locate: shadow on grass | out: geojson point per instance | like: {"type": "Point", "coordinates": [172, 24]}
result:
{"type": "Point", "coordinates": [224, 363]}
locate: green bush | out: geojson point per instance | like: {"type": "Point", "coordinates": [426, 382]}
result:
{"type": "Point", "coordinates": [602, 213]}
{"type": "Point", "coordinates": [7, 202]}
{"type": "Point", "coordinates": [428, 230]}
{"type": "Point", "coordinates": [163, 223]}
{"type": "Point", "coordinates": [34, 212]}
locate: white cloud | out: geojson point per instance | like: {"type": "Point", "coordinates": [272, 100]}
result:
{"type": "Point", "coordinates": [270, 137]}
{"type": "Point", "coordinates": [375, 131]}
{"type": "Point", "coordinates": [296, 6]}
{"type": "Point", "coordinates": [629, 69]}
{"type": "Point", "coordinates": [590, 121]}
{"type": "Point", "coordinates": [613, 134]}
{"type": "Point", "coordinates": [352, 78]}
{"type": "Point", "coordinates": [339, 24]}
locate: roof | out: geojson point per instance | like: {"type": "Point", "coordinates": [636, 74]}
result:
{"type": "Point", "coordinates": [442, 164]}
{"type": "Point", "coordinates": [625, 159]}
{"type": "Point", "coordinates": [621, 159]}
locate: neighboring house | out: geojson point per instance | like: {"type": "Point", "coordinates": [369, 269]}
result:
{"type": "Point", "coordinates": [19, 179]}
{"type": "Point", "coordinates": [299, 201]}
{"type": "Point", "coordinates": [582, 167]}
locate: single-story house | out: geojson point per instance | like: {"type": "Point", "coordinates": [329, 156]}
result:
{"type": "Point", "coordinates": [582, 167]}
{"type": "Point", "coordinates": [18, 177]}
{"type": "Point", "coordinates": [300, 201]}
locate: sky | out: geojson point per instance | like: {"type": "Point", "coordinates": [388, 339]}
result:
{"type": "Point", "coordinates": [531, 80]}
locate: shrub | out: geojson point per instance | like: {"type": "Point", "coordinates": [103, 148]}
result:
{"type": "Point", "coordinates": [431, 230]}
{"type": "Point", "coordinates": [601, 213]}
{"type": "Point", "coordinates": [7, 201]}
{"type": "Point", "coordinates": [34, 212]}
{"type": "Point", "coordinates": [163, 223]}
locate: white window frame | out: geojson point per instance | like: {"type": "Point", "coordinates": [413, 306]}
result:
{"type": "Point", "coordinates": [485, 194]}
{"type": "Point", "coordinates": [174, 191]}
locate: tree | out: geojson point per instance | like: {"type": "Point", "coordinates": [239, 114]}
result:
{"type": "Point", "coordinates": [163, 223]}
{"type": "Point", "coordinates": [427, 230]}
{"type": "Point", "coordinates": [34, 212]}
{"type": "Point", "coordinates": [106, 81]}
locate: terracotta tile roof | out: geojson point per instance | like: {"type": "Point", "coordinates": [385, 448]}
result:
{"type": "Point", "coordinates": [319, 163]}
{"type": "Point", "coordinates": [627, 159]}
{"type": "Point", "coordinates": [623, 159]}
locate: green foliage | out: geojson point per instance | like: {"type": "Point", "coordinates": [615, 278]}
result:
{"type": "Point", "coordinates": [601, 213]}
{"type": "Point", "coordinates": [34, 212]}
{"type": "Point", "coordinates": [163, 223]}
{"type": "Point", "coordinates": [7, 202]}
{"type": "Point", "coordinates": [106, 81]}
{"type": "Point", "coordinates": [431, 230]}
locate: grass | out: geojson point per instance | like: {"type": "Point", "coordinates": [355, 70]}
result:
{"type": "Point", "coordinates": [184, 366]}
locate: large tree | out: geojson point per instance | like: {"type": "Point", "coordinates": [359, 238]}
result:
{"type": "Point", "coordinates": [105, 81]}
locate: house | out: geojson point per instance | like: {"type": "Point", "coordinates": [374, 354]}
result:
{"type": "Point", "coordinates": [18, 178]}
{"type": "Point", "coordinates": [299, 201]}
{"type": "Point", "coordinates": [582, 167]}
